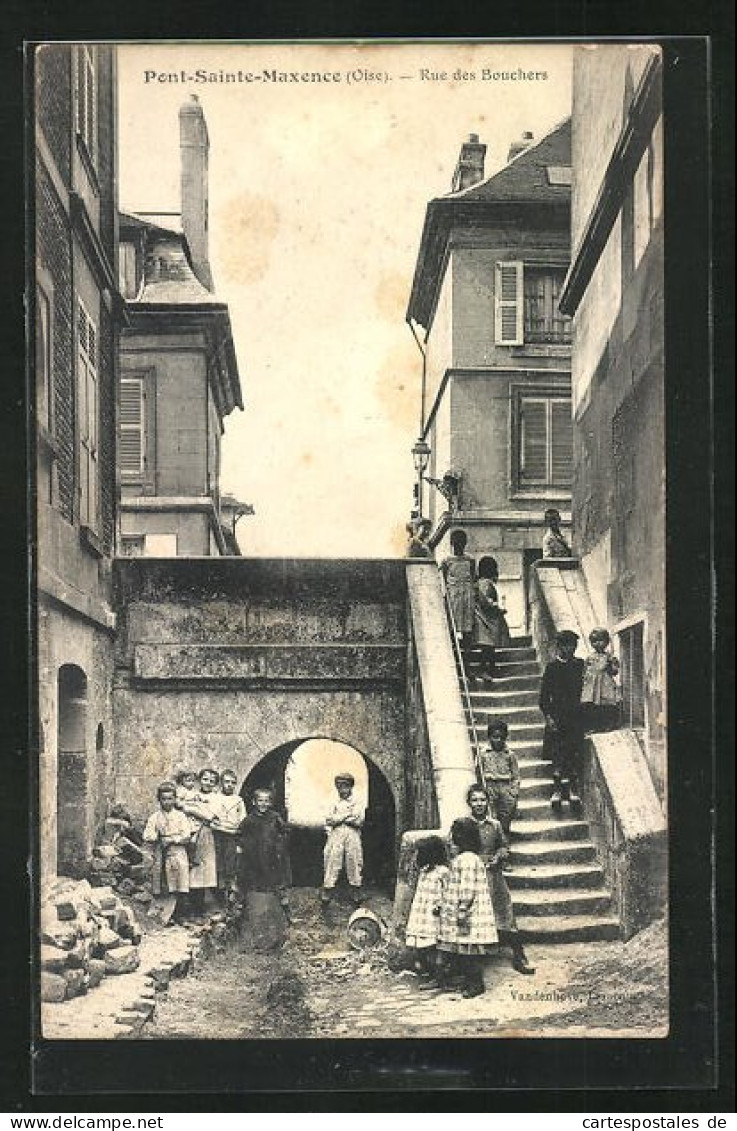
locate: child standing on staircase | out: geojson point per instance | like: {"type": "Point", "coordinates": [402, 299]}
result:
{"type": "Point", "coordinates": [501, 774]}
{"type": "Point", "coordinates": [600, 693]}
{"type": "Point", "coordinates": [492, 631]}
{"type": "Point", "coordinates": [459, 574]}
{"type": "Point", "coordinates": [560, 703]}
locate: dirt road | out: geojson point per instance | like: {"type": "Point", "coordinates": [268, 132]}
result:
{"type": "Point", "coordinates": [317, 986]}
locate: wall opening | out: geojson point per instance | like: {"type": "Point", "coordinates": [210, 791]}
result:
{"type": "Point", "coordinates": [71, 786]}
{"type": "Point", "coordinates": [301, 774]}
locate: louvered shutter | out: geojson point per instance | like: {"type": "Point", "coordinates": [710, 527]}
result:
{"type": "Point", "coordinates": [533, 440]}
{"type": "Point", "coordinates": [561, 442]}
{"type": "Point", "coordinates": [87, 418]}
{"type": "Point", "coordinates": [509, 304]}
{"type": "Point", "coordinates": [132, 443]}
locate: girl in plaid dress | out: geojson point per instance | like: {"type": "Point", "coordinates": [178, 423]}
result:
{"type": "Point", "coordinates": [467, 925]}
{"type": "Point", "coordinates": [421, 932]}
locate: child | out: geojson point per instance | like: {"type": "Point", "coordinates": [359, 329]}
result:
{"type": "Point", "coordinates": [225, 826]}
{"type": "Point", "coordinates": [419, 532]}
{"type": "Point", "coordinates": [459, 574]}
{"type": "Point", "coordinates": [168, 831]}
{"type": "Point", "coordinates": [501, 774]}
{"type": "Point", "coordinates": [423, 924]}
{"type": "Point", "coordinates": [467, 926]}
{"type": "Point", "coordinates": [492, 631]}
{"type": "Point", "coordinates": [600, 694]}
{"type": "Point", "coordinates": [343, 847]}
{"type": "Point", "coordinates": [494, 853]}
{"type": "Point", "coordinates": [265, 873]}
{"type": "Point", "coordinates": [202, 807]}
{"type": "Point", "coordinates": [554, 544]}
{"type": "Point", "coordinates": [560, 703]}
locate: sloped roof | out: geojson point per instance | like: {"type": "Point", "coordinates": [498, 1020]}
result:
{"type": "Point", "coordinates": [524, 183]}
{"type": "Point", "coordinates": [526, 178]}
{"type": "Point", "coordinates": [168, 276]}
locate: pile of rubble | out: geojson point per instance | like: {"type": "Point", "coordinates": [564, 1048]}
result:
{"type": "Point", "coordinates": [86, 934]}
{"type": "Point", "coordinates": [121, 860]}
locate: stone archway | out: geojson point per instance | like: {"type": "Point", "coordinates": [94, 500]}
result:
{"type": "Point", "coordinates": [301, 775]}
{"type": "Point", "coordinates": [71, 789]}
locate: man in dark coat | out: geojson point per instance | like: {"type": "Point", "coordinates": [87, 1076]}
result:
{"type": "Point", "coordinates": [560, 703]}
{"type": "Point", "coordinates": [265, 873]}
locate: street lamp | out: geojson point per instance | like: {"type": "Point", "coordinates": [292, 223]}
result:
{"type": "Point", "coordinates": [420, 456]}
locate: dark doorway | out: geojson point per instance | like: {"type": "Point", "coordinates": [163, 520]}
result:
{"type": "Point", "coordinates": [307, 833]}
{"type": "Point", "coordinates": [71, 781]}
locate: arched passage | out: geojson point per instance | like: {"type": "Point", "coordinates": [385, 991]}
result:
{"type": "Point", "coordinates": [301, 774]}
{"type": "Point", "coordinates": [71, 787]}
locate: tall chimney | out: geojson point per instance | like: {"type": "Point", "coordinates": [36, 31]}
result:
{"type": "Point", "coordinates": [194, 146]}
{"type": "Point", "coordinates": [470, 168]}
{"type": "Point", "coordinates": [520, 146]}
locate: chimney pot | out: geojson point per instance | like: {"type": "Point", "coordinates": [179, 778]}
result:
{"type": "Point", "coordinates": [194, 146]}
{"type": "Point", "coordinates": [520, 146]}
{"type": "Point", "coordinates": [470, 168]}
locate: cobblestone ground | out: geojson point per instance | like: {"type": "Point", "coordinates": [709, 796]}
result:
{"type": "Point", "coordinates": [317, 986]}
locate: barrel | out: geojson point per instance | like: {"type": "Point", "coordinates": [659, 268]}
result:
{"type": "Point", "coordinates": [365, 929]}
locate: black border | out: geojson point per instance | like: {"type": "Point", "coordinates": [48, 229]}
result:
{"type": "Point", "coordinates": [567, 1075]}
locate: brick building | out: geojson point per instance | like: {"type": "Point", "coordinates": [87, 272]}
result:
{"type": "Point", "coordinates": [179, 374]}
{"type": "Point", "coordinates": [77, 309]}
{"type": "Point", "coordinates": [492, 260]}
{"type": "Point", "coordinates": [614, 294]}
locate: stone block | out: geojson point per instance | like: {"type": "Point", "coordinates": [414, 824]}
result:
{"type": "Point", "coordinates": [143, 897]}
{"type": "Point", "coordinates": [60, 936]}
{"type": "Point", "coordinates": [109, 939]}
{"type": "Point", "coordinates": [65, 910]}
{"type": "Point", "coordinates": [78, 956]}
{"type": "Point", "coordinates": [96, 971]}
{"type": "Point", "coordinates": [76, 982]}
{"type": "Point", "coordinates": [53, 959]}
{"type": "Point", "coordinates": [53, 987]}
{"type": "Point", "coordinates": [103, 898]}
{"type": "Point", "coordinates": [122, 960]}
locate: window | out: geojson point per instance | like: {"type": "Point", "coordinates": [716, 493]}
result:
{"type": "Point", "coordinates": [87, 419]}
{"type": "Point", "coordinates": [544, 442]}
{"type": "Point", "coordinates": [86, 99]}
{"type": "Point", "coordinates": [526, 305]}
{"type": "Point", "coordinates": [543, 322]}
{"type": "Point", "coordinates": [632, 656]}
{"type": "Point", "coordinates": [132, 440]}
{"type": "Point", "coordinates": [131, 546]}
{"type": "Point", "coordinates": [44, 359]}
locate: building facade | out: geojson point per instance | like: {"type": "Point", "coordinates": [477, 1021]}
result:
{"type": "Point", "coordinates": [614, 293]}
{"type": "Point", "coordinates": [178, 372]}
{"type": "Point", "coordinates": [497, 410]}
{"type": "Point", "coordinates": [74, 363]}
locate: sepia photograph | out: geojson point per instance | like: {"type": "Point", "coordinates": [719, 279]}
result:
{"type": "Point", "coordinates": [349, 408]}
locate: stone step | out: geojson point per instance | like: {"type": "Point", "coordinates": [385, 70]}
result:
{"type": "Point", "coordinates": [507, 683]}
{"type": "Point", "coordinates": [533, 787]}
{"type": "Point", "coordinates": [527, 751]}
{"type": "Point", "coordinates": [561, 829]}
{"type": "Point", "coordinates": [533, 768]}
{"type": "Point", "coordinates": [518, 733]}
{"type": "Point", "coordinates": [494, 700]}
{"type": "Point", "coordinates": [545, 876]}
{"type": "Point", "coordinates": [533, 808]}
{"type": "Point", "coordinates": [515, 668]}
{"type": "Point", "coordinates": [515, 643]}
{"type": "Point", "coordinates": [524, 715]}
{"type": "Point", "coordinates": [557, 902]}
{"type": "Point", "coordinates": [568, 928]}
{"type": "Point", "coordinates": [531, 854]}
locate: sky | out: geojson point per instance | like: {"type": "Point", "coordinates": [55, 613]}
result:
{"type": "Point", "coordinates": [317, 200]}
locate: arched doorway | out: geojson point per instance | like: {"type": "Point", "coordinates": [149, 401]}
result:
{"type": "Point", "coordinates": [71, 783]}
{"type": "Point", "coordinates": [301, 774]}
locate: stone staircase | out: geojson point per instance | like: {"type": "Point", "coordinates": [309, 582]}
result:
{"type": "Point", "coordinates": [558, 888]}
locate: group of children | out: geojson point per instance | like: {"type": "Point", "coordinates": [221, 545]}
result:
{"type": "Point", "coordinates": [194, 835]}
{"type": "Point", "coordinates": [462, 908]}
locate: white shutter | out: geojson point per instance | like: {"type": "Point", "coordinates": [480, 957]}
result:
{"type": "Point", "coordinates": [508, 304]}
{"type": "Point", "coordinates": [131, 444]}
{"type": "Point", "coordinates": [88, 410]}
{"type": "Point", "coordinates": [561, 442]}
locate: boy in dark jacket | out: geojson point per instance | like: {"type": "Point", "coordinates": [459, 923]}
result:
{"type": "Point", "coordinates": [560, 703]}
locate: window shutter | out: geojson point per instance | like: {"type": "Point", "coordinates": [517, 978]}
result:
{"type": "Point", "coordinates": [131, 426]}
{"type": "Point", "coordinates": [561, 442]}
{"type": "Point", "coordinates": [533, 441]}
{"type": "Point", "coordinates": [508, 304]}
